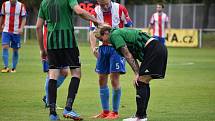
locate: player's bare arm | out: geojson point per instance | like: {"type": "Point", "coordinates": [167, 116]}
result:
{"type": "Point", "coordinates": [131, 61]}
{"type": "Point", "coordinates": [39, 29]}
{"type": "Point", "coordinates": [85, 15]}
{"type": "Point", "coordinates": [1, 23]}
{"type": "Point", "coordinates": [22, 25]}
{"type": "Point", "coordinates": [92, 42]}
{"type": "Point", "coordinates": [150, 27]}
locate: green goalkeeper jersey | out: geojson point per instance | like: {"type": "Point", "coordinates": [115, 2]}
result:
{"type": "Point", "coordinates": [134, 39]}
{"type": "Point", "coordinates": [58, 15]}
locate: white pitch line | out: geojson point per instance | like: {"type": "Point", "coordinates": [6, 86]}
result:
{"type": "Point", "coordinates": [182, 64]}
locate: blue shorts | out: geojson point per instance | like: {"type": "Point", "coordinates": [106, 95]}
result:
{"type": "Point", "coordinates": [160, 39]}
{"type": "Point", "coordinates": [45, 65]}
{"type": "Point", "coordinates": [109, 61]}
{"type": "Point", "coordinates": [14, 40]}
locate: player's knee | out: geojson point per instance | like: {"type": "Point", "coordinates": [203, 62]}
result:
{"type": "Point", "coordinates": [145, 78]}
{"type": "Point", "coordinates": [115, 84]}
{"type": "Point", "coordinates": [54, 74]}
{"type": "Point", "coordinates": [15, 50]}
{"type": "Point", "coordinates": [115, 80]}
{"type": "Point", "coordinates": [5, 46]}
{"type": "Point", "coordinates": [103, 80]}
{"type": "Point", "coordinates": [76, 73]}
{"type": "Point", "coordinates": [64, 72]}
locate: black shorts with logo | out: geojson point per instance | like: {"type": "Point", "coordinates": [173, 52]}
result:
{"type": "Point", "coordinates": [155, 60]}
{"type": "Point", "coordinates": [60, 58]}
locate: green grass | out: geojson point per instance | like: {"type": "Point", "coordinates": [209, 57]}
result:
{"type": "Point", "coordinates": [186, 94]}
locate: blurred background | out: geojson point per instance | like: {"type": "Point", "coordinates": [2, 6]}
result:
{"type": "Point", "coordinates": [184, 14]}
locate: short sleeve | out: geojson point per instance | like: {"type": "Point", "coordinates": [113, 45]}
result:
{"type": "Point", "coordinates": [92, 26]}
{"type": "Point", "coordinates": [72, 3]}
{"type": "Point", "coordinates": [117, 41]}
{"type": "Point", "coordinates": [41, 12]}
{"type": "Point", "coordinates": [125, 17]}
{"type": "Point", "coordinates": [23, 12]}
{"type": "Point", "coordinates": [3, 9]}
{"type": "Point", "coordinates": [167, 19]}
{"type": "Point", "coordinates": [152, 19]}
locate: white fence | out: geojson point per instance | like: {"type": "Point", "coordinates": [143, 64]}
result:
{"type": "Point", "coordinates": [77, 31]}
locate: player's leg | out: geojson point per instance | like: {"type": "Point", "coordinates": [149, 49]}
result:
{"type": "Point", "coordinates": [45, 70]}
{"type": "Point", "coordinates": [15, 44]}
{"type": "Point", "coordinates": [62, 76]}
{"type": "Point", "coordinates": [117, 65]}
{"type": "Point", "coordinates": [72, 92]}
{"type": "Point", "coordinates": [153, 67]}
{"type": "Point", "coordinates": [142, 96]}
{"type": "Point", "coordinates": [104, 95]}
{"type": "Point", "coordinates": [52, 92]}
{"type": "Point", "coordinates": [55, 64]}
{"type": "Point", "coordinates": [73, 62]}
{"type": "Point", "coordinates": [103, 69]}
{"type": "Point", "coordinates": [5, 51]}
{"type": "Point", "coordinates": [15, 59]}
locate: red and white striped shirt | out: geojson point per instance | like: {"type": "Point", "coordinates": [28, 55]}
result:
{"type": "Point", "coordinates": [12, 16]}
{"type": "Point", "coordinates": [117, 17]}
{"type": "Point", "coordinates": [159, 22]}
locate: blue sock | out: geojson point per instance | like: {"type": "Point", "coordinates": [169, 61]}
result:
{"type": "Point", "coordinates": [46, 88]}
{"type": "Point", "coordinates": [5, 55]}
{"type": "Point", "coordinates": [15, 59]}
{"type": "Point", "coordinates": [60, 80]}
{"type": "Point", "coordinates": [116, 93]}
{"type": "Point", "coordinates": [104, 96]}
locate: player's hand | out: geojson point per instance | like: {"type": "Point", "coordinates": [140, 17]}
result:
{"type": "Point", "coordinates": [95, 52]}
{"type": "Point", "coordinates": [43, 54]}
{"type": "Point", "coordinates": [20, 30]}
{"type": "Point", "coordinates": [136, 78]}
{"type": "Point", "coordinates": [98, 23]}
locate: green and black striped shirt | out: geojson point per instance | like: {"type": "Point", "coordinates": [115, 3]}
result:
{"type": "Point", "coordinates": [59, 39]}
{"type": "Point", "coordinates": [59, 15]}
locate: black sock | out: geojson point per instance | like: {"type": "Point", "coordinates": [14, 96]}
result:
{"type": "Point", "coordinates": [142, 98]}
{"type": "Point", "coordinates": [52, 95]}
{"type": "Point", "coordinates": [73, 89]}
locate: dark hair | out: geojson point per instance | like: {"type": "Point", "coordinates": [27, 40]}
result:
{"type": "Point", "coordinates": [104, 29]}
{"type": "Point", "coordinates": [161, 4]}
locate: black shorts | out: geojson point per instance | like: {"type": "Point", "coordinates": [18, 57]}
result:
{"type": "Point", "coordinates": [60, 58]}
{"type": "Point", "coordinates": [155, 60]}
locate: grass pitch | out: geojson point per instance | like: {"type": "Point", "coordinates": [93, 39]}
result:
{"type": "Point", "coordinates": [186, 94]}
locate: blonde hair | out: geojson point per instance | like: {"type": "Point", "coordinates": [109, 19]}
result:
{"type": "Point", "coordinates": [100, 30]}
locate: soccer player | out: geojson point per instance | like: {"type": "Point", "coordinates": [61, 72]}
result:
{"type": "Point", "coordinates": [109, 62]}
{"type": "Point", "coordinates": [12, 19]}
{"type": "Point", "coordinates": [63, 72]}
{"type": "Point", "coordinates": [159, 22]}
{"type": "Point", "coordinates": [62, 49]}
{"type": "Point", "coordinates": [136, 45]}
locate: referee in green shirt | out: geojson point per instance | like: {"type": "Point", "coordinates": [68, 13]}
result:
{"type": "Point", "coordinates": [136, 45]}
{"type": "Point", "coordinates": [62, 49]}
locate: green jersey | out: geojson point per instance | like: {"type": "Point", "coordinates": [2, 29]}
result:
{"type": "Point", "coordinates": [134, 39]}
{"type": "Point", "coordinates": [58, 15]}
